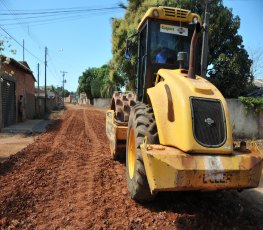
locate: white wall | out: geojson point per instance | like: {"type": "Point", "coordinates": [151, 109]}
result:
{"type": "Point", "coordinates": [102, 102]}
{"type": "Point", "coordinates": [245, 123]}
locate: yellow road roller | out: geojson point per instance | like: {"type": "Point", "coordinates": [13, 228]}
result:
{"type": "Point", "coordinates": [175, 130]}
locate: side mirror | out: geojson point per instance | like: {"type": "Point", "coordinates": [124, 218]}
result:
{"type": "Point", "coordinates": [129, 46]}
{"type": "Point", "coordinates": [128, 50]}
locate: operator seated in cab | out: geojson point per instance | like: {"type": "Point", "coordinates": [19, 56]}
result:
{"type": "Point", "coordinates": [165, 54]}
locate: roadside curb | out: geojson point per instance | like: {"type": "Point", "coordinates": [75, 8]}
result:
{"type": "Point", "coordinates": [29, 127]}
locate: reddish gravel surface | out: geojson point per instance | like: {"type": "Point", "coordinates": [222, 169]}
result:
{"type": "Point", "coordinates": [66, 180]}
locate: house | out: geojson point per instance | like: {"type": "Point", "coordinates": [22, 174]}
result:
{"type": "Point", "coordinates": [41, 93]}
{"type": "Point", "coordinates": [258, 92]}
{"type": "Point", "coordinates": [83, 99]}
{"type": "Point", "coordinates": [71, 98]}
{"type": "Point", "coordinates": [17, 96]}
{"type": "Point", "coordinates": [258, 83]}
{"type": "Point", "coordinates": [53, 101]}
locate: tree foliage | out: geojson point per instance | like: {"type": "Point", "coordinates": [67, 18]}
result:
{"type": "Point", "coordinates": [99, 82]}
{"type": "Point", "coordinates": [85, 81]}
{"type": "Point", "coordinates": [254, 103]}
{"type": "Point", "coordinates": [58, 90]}
{"type": "Point", "coordinates": [228, 61]}
{"type": "Point", "coordinates": [5, 45]}
{"type": "Point", "coordinates": [121, 30]}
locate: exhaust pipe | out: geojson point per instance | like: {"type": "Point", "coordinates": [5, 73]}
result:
{"type": "Point", "coordinates": [191, 71]}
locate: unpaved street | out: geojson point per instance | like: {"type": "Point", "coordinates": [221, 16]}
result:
{"type": "Point", "coordinates": [66, 180]}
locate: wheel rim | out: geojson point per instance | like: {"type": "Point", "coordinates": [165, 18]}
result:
{"type": "Point", "coordinates": [131, 153]}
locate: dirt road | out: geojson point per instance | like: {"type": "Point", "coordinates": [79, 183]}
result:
{"type": "Point", "coordinates": [66, 180]}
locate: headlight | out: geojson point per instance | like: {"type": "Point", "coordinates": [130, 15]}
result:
{"type": "Point", "coordinates": [155, 13]}
{"type": "Point", "coordinates": [195, 20]}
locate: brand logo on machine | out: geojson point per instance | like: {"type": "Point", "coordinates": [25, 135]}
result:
{"type": "Point", "coordinates": [181, 30]}
{"type": "Point", "coordinates": [209, 121]}
{"type": "Point", "coordinates": [170, 29]}
{"type": "Point", "coordinates": [109, 114]}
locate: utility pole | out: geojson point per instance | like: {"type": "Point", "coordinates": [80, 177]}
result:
{"type": "Point", "coordinates": [63, 81]}
{"type": "Point", "coordinates": [38, 107]}
{"type": "Point", "coordinates": [38, 79]}
{"type": "Point", "coordinates": [45, 101]}
{"type": "Point", "coordinates": [205, 41]}
{"type": "Point", "coordinates": [1, 112]}
{"type": "Point", "coordinates": [23, 50]}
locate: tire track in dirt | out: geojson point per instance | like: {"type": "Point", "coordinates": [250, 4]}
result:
{"type": "Point", "coordinates": [109, 179]}
{"type": "Point", "coordinates": [72, 193]}
{"type": "Point", "coordinates": [68, 117]}
{"type": "Point", "coordinates": [94, 150]}
{"type": "Point", "coordinates": [61, 177]}
{"type": "Point", "coordinates": [105, 176]}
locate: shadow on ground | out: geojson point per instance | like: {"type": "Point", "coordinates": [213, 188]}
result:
{"type": "Point", "coordinates": [211, 210]}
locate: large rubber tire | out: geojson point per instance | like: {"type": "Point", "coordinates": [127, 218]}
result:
{"type": "Point", "coordinates": [141, 124]}
{"type": "Point", "coordinates": [121, 104]}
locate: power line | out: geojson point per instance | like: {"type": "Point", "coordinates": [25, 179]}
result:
{"type": "Point", "coordinates": [35, 17]}
{"type": "Point", "coordinates": [63, 11]}
{"type": "Point", "coordinates": [53, 14]}
{"type": "Point", "coordinates": [19, 20]}
{"type": "Point", "coordinates": [54, 69]}
{"type": "Point", "coordinates": [46, 16]}
{"type": "Point", "coordinates": [58, 15]}
{"type": "Point", "coordinates": [66, 8]}
{"type": "Point", "coordinates": [55, 19]}
{"type": "Point", "coordinates": [52, 19]}
{"type": "Point", "coordinates": [41, 16]}
{"type": "Point", "coordinates": [20, 44]}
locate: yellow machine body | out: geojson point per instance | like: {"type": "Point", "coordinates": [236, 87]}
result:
{"type": "Point", "coordinates": [170, 99]}
{"type": "Point", "coordinates": [169, 14]}
{"type": "Point", "coordinates": [115, 132]}
{"type": "Point", "coordinates": [180, 161]}
{"type": "Point", "coordinates": [170, 169]}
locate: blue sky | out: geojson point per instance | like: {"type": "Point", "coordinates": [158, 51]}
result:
{"type": "Point", "coordinates": [250, 12]}
{"type": "Point", "coordinates": [78, 43]}
{"type": "Point", "coordinates": [73, 44]}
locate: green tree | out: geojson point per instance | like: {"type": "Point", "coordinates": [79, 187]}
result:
{"type": "Point", "coordinates": [85, 81]}
{"type": "Point", "coordinates": [58, 90]}
{"type": "Point", "coordinates": [121, 30]}
{"type": "Point", "coordinates": [229, 61]}
{"type": "Point", "coordinates": [228, 58]}
{"type": "Point", "coordinates": [5, 47]}
{"type": "Point", "coordinates": [52, 88]}
{"type": "Point", "coordinates": [99, 82]}
{"type": "Point", "coordinates": [112, 82]}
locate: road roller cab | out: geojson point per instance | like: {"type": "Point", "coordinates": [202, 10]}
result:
{"type": "Point", "coordinates": [175, 129]}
